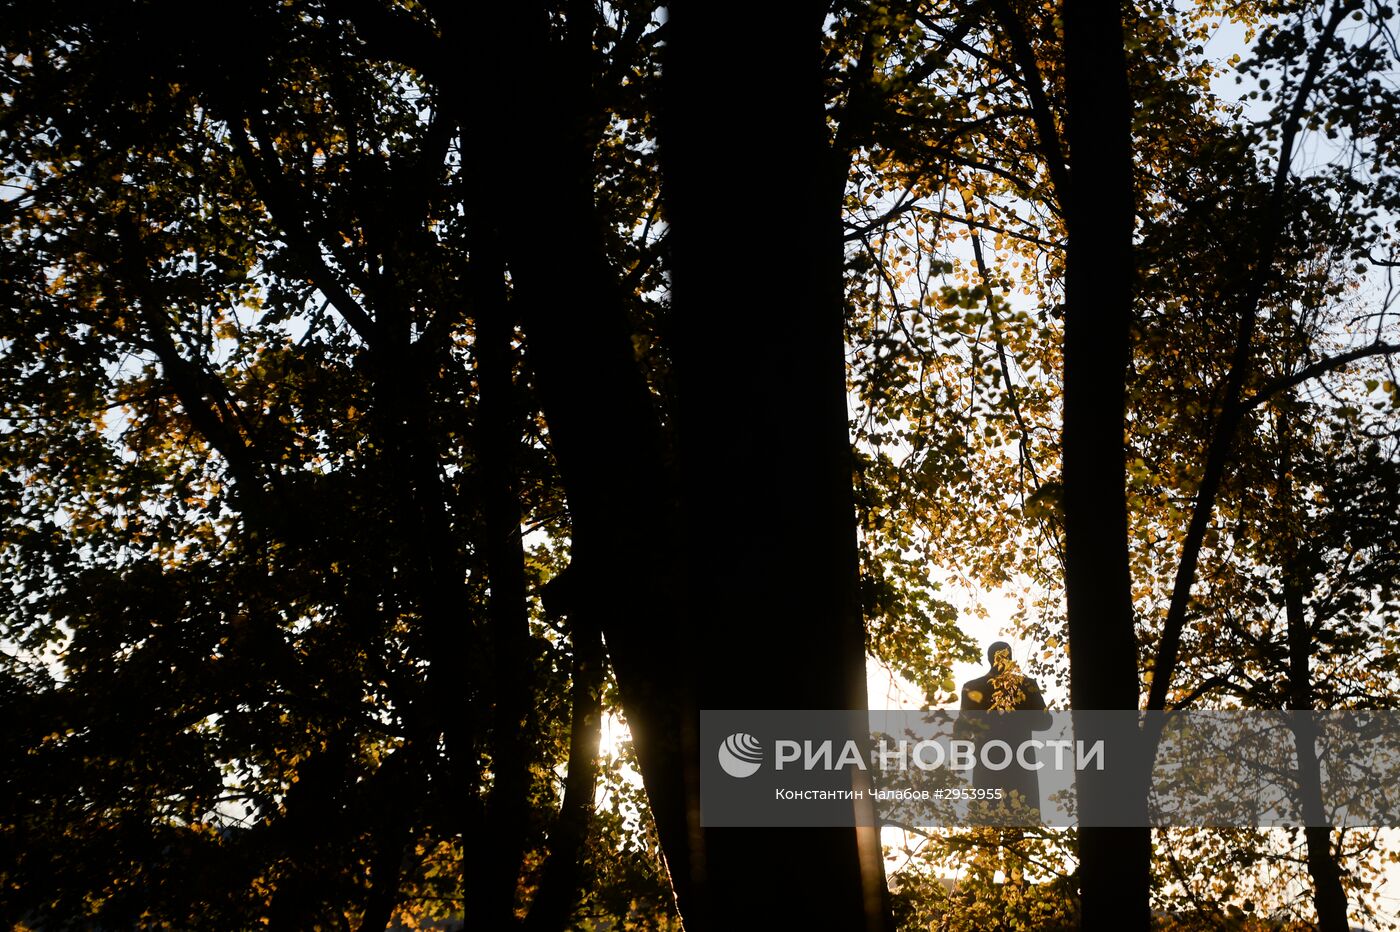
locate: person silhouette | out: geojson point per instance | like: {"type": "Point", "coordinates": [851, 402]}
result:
{"type": "Point", "coordinates": [1005, 689]}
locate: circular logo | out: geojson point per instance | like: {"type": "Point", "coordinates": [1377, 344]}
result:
{"type": "Point", "coordinates": [740, 755]}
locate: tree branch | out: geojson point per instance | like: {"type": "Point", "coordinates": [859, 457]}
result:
{"type": "Point", "coordinates": [188, 381]}
{"type": "Point", "coordinates": [281, 204]}
{"type": "Point", "coordinates": [1283, 383]}
{"type": "Point", "coordinates": [1047, 134]}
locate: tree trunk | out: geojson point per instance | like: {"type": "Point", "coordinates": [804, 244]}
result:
{"type": "Point", "coordinates": [523, 101]}
{"type": "Point", "coordinates": [559, 889]}
{"type": "Point", "coordinates": [1329, 897]}
{"type": "Point", "coordinates": [1114, 863]}
{"type": "Point", "coordinates": [766, 467]}
{"type": "Point", "coordinates": [492, 886]}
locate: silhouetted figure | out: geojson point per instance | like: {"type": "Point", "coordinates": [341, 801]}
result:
{"type": "Point", "coordinates": [1005, 688]}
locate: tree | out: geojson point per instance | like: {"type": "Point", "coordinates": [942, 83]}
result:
{"type": "Point", "coordinates": [306, 549]}
{"type": "Point", "coordinates": [422, 447]}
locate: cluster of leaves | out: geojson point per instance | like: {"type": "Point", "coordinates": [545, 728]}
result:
{"type": "Point", "coordinates": [1252, 877]}
{"type": "Point", "coordinates": [986, 878]}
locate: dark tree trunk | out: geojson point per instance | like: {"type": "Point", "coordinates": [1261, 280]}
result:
{"type": "Point", "coordinates": [766, 468]}
{"type": "Point", "coordinates": [1329, 896]}
{"type": "Point", "coordinates": [559, 888]}
{"type": "Point", "coordinates": [522, 98]}
{"type": "Point", "coordinates": [499, 432]}
{"type": "Point", "coordinates": [389, 800]}
{"type": "Point", "coordinates": [1114, 863]}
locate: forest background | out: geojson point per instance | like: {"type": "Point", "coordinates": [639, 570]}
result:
{"type": "Point", "coordinates": [394, 391]}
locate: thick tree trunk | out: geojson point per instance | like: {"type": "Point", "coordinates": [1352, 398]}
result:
{"type": "Point", "coordinates": [768, 514]}
{"type": "Point", "coordinates": [1114, 863]}
{"type": "Point", "coordinates": [1329, 897]}
{"type": "Point", "coordinates": [390, 796]}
